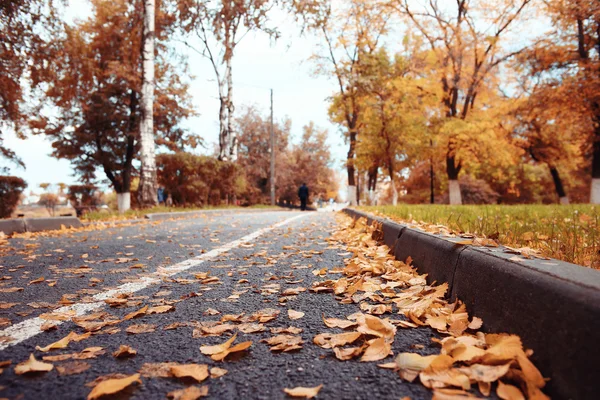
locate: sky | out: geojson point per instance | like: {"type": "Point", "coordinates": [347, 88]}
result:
{"type": "Point", "coordinates": [259, 65]}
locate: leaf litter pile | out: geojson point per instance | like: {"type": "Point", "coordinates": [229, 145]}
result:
{"type": "Point", "coordinates": [391, 295]}
{"type": "Point", "coordinates": [467, 358]}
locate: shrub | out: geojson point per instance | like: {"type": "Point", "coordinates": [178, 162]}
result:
{"type": "Point", "coordinates": [198, 180]}
{"type": "Point", "coordinates": [476, 191]}
{"type": "Point", "coordinates": [11, 188]}
{"type": "Point", "coordinates": [50, 201]}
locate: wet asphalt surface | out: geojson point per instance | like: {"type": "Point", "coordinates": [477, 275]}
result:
{"type": "Point", "coordinates": [86, 263]}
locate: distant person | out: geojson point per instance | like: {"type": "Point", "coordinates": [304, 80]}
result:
{"type": "Point", "coordinates": [303, 195]}
{"type": "Point", "coordinates": [161, 195]}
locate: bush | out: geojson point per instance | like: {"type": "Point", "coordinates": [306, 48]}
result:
{"type": "Point", "coordinates": [198, 180]}
{"type": "Point", "coordinates": [50, 201]}
{"type": "Point", "coordinates": [11, 188]}
{"type": "Point", "coordinates": [476, 191]}
{"type": "Point", "coordinates": [83, 198]}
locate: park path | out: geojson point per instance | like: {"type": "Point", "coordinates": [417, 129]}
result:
{"type": "Point", "coordinates": [215, 271]}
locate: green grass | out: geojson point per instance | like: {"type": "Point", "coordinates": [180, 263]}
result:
{"type": "Point", "coordinates": [570, 233]}
{"type": "Point", "coordinates": [112, 215]}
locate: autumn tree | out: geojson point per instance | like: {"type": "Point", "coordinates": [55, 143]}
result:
{"type": "Point", "coordinates": [350, 34]}
{"type": "Point", "coordinates": [396, 97]}
{"type": "Point", "coordinates": [308, 161]}
{"type": "Point", "coordinates": [147, 191]}
{"type": "Point", "coordinates": [254, 153]}
{"type": "Point", "coordinates": [94, 83]}
{"type": "Point", "coordinates": [220, 25]}
{"type": "Point", "coordinates": [468, 41]}
{"type": "Point", "coordinates": [567, 61]}
{"type": "Point", "coordinates": [22, 23]}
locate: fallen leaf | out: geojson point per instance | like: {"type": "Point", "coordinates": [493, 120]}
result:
{"type": "Point", "coordinates": [305, 392]}
{"type": "Point", "coordinates": [284, 342]}
{"type": "Point", "coordinates": [216, 372]}
{"type": "Point", "coordinates": [32, 365]}
{"type": "Point", "coordinates": [61, 344]}
{"type": "Point", "coordinates": [411, 364]}
{"type": "Point", "coordinates": [293, 315]}
{"type": "Point", "coordinates": [329, 340]}
{"type": "Point", "coordinates": [509, 392]}
{"type": "Point", "coordinates": [140, 328]}
{"type": "Point", "coordinates": [220, 351]}
{"type": "Point", "coordinates": [338, 323]}
{"type": "Point", "coordinates": [189, 393]}
{"type": "Point", "coordinates": [135, 314]}
{"type": "Point", "coordinates": [160, 309]}
{"type": "Point", "coordinates": [112, 386]}
{"type": "Point", "coordinates": [124, 351]}
{"type": "Point", "coordinates": [72, 368]}
{"type": "Point", "coordinates": [157, 370]}
{"type": "Point", "coordinates": [199, 372]}
{"type": "Point", "coordinates": [378, 350]}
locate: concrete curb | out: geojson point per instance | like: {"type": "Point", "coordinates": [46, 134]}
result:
{"type": "Point", "coordinates": [20, 225]}
{"type": "Point", "coordinates": [552, 305]}
{"type": "Point", "coordinates": [198, 213]}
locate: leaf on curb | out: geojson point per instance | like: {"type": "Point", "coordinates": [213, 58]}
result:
{"type": "Point", "coordinates": [378, 350]}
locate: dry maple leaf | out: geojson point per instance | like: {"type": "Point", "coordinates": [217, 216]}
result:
{"type": "Point", "coordinates": [348, 353]}
{"type": "Point", "coordinates": [189, 393]}
{"type": "Point", "coordinates": [124, 351]}
{"type": "Point", "coordinates": [112, 386]}
{"type": "Point", "coordinates": [251, 328]}
{"type": "Point", "coordinates": [199, 372]}
{"type": "Point", "coordinates": [305, 392]}
{"type": "Point", "coordinates": [157, 370]}
{"type": "Point", "coordinates": [32, 365]}
{"type": "Point", "coordinates": [294, 315]}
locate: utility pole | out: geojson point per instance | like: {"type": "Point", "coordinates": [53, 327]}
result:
{"type": "Point", "coordinates": [272, 155]}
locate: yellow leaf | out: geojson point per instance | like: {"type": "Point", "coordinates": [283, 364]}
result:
{"type": "Point", "coordinates": [199, 372]}
{"type": "Point", "coordinates": [218, 348]}
{"type": "Point", "coordinates": [509, 392]}
{"type": "Point", "coordinates": [61, 344]}
{"type": "Point", "coordinates": [293, 315]}
{"type": "Point", "coordinates": [189, 393]}
{"type": "Point", "coordinates": [378, 350]}
{"type": "Point", "coordinates": [111, 386]}
{"type": "Point", "coordinates": [124, 351]}
{"type": "Point", "coordinates": [32, 365]}
{"type": "Point", "coordinates": [305, 392]}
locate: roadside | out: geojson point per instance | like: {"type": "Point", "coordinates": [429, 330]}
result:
{"type": "Point", "coordinates": [569, 233]}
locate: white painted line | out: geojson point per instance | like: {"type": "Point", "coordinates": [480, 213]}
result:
{"type": "Point", "coordinates": [31, 327]}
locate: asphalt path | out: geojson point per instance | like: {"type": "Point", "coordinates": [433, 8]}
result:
{"type": "Point", "coordinates": [158, 264]}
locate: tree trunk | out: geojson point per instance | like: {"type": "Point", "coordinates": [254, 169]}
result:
{"type": "Point", "coordinates": [123, 201]}
{"type": "Point", "coordinates": [147, 191]}
{"type": "Point", "coordinates": [352, 189]}
{"type": "Point", "coordinates": [232, 139]}
{"type": "Point", "coordinates": [560, 190]}
{"type": "Point", "coordinates": [595, 187]}
{"type": "Point", "coordinates": [222, 126]}
{"type": "Point", "coordinates": [453, 169]}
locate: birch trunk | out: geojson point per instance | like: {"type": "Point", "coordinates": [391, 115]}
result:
{"type": "Point", "coordinates": [147, 191]}
{"type": "Point", "coordinates": [232, 139]}
{"type": "Point", "coordinates": [394, 193]}
{"type": "Point", "coordinates": [454, 191]}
